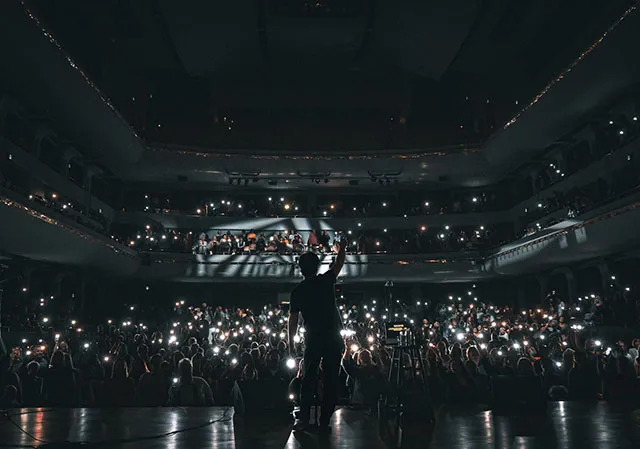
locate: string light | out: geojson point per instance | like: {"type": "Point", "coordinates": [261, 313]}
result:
{"type": "Point", "coordinates": [572, 66]}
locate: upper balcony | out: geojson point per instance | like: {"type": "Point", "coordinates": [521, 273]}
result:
{"type": "Point", "coordinates": [33, 231]}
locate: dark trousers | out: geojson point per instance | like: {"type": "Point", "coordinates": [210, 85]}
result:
{"type": "Point", "coordinates": [327, 351]}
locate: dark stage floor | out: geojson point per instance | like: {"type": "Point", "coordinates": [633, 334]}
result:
{"type": "Point", "coordinates": [564, 425]}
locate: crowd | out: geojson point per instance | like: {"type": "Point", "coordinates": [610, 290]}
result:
{"type": "Point", "coordinates": [382, 204]}
{"type": "Point", "coordinates": [608, 136]}
{"type": "Point", "coordinates": [239, 357]}
{"type": "Point", "coordinates": [581, 199]}
{"type": "Point", "coordinates": [57, 203]}
{"type": "Point", "coordinates": [381, 241]}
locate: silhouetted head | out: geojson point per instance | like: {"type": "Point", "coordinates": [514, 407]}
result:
{"type": "Point", "coordinates": [185, 369]}
{"type": "Point", "coordinates": [309, 264]}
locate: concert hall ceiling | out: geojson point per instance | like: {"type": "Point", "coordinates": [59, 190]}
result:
{"type": "Point", "coordinates": [331, 82]}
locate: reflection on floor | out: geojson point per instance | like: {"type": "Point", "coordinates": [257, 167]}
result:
{"type": "Point", "coordinates": [564, 425]}
{"type": "Point", "coordinates": [138, 428]}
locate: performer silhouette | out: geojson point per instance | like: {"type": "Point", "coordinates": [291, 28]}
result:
{"type": "Point", "coordinates": [314, 298]}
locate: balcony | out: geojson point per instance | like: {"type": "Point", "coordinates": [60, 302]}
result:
{"type": "Point", "coordinates": [33, 231]}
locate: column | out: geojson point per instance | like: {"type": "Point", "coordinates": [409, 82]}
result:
{"type": "Point", "coordinates": [570, 280]}
{"type": "Point", "coordinates": [89, 173]}
{"type": "Point", "coordinates": [543, 282]}
{"type": "Point", "coordinates": [68, 154]}
{"type": "Point", "coordinates": [605, 276]}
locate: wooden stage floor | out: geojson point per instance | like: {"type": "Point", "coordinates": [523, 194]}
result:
{"type": "Point", "coordinates": [564, 425]}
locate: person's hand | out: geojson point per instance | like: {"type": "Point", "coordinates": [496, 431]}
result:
{"type": "Point", "coordinates": [342, 244]}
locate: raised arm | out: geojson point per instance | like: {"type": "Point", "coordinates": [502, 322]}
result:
{"type": "Point", "coordinates": [339, 263]}
{"type": "Point", "coordinates": [347, 363]}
